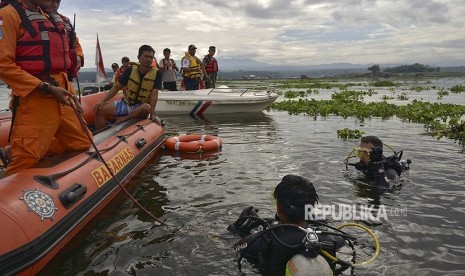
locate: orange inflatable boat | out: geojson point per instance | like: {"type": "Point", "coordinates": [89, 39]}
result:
{"type": "Point", "coordinates": [42, 208]}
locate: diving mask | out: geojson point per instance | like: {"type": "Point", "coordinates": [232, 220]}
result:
{"type": "Point", "coordinates": [362, 153]}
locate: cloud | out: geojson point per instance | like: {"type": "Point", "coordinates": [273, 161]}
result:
{"type": "Point", "coordinates": [276, 31]}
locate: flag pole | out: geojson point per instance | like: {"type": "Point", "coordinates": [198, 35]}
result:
{"type": "Point", "coordinates": [99, 64]}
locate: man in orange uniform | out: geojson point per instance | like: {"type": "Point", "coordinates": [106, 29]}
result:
{"type": "Point", "coordinates": [34, 61]}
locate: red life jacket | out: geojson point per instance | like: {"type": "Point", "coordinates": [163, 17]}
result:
{"type": "Point", "coordinates": [44, 47]}
{"type": "Point", "coordinates": [71, 36]}
{"type": "Point", "coordinates": [122, 69]}
{"type": "Point", "coordinates": [211, 65]}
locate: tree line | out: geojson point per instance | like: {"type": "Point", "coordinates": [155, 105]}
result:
{"type": "Point", "coordinates": [412, 68]}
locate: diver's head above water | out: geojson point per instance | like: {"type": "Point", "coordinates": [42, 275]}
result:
{"type": "Point", "coordinates": [292, 194]}
{"type": "Point", "coordinates": [375, 165]}
{"type": "Point", "coordinates": [369, 149]}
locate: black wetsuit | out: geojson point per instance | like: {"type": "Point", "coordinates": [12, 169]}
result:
{"type": "Point", "coordinates": [270, 256]}
{"type": "Point", "coordinates": [381, 173]}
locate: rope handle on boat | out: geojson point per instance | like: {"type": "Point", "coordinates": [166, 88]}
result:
{"type": "Point", "coordinates": [86, 131]}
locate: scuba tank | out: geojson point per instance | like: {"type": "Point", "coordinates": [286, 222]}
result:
{"type": "Point", "coordinates": [310, 263]}
{"type": "Point", "coordinates": [299, 265]}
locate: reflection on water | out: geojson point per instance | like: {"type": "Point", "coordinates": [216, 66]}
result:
{"type": "Point", "coordinates": [200, 197]}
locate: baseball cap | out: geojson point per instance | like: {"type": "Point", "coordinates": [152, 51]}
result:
{"type": "Point", "coordinates": [192, 46]}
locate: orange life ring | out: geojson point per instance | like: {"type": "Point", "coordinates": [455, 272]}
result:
{"type": "Point", "coordinates": [193, 143]}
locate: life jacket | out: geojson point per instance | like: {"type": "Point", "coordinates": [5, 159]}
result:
{"type": "Point", "coordinates": [165, 62]}
{"type": "Point", "coordinates": [44, 47]}
{"type": "Point", "coordinates": [154, 63]}
{"type": "Point", "coordinates": [72, 45]}
{"type": "Point", "coordinates": [123, 68]}
{"type": "Point", "coordinates": [138, 91]}
{"type": "Point", "coordinates": [211, 65]}
{"type": "Point", "coordinates": [195, 64]}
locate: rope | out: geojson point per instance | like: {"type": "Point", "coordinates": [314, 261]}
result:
{"type": "Point", "coordinates": [86, 131]}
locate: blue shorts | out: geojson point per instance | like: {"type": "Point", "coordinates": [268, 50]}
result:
{"type": "Point", "coordinates": [191, 84]}
{"type": "Point", "coordinates": [122, 109]}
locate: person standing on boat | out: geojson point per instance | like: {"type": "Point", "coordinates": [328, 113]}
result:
{"type": "Point", "coordinates": [42, 93]}
{"type": "Point", "coordinates": [120, 71]}
{"type": "Point", "coordinates": [75, 52]}
{"type": "Point", "coordinates": [211, 68]}
{"type": "Point", "coordinates": [115, 68]}
{"type": "Point", "coordinates": [192, 69]}
{"type": "Point", "coordinates": [141, 85]}
{"type": "Point", "coordinates": [168, 68]}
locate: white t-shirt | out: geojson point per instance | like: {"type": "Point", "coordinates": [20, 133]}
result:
{"type": "Point", "coordinates": [186, 63]}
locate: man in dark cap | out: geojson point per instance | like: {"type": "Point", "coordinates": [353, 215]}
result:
{"type": "Point", "coordinates": [115, 68]}
{"type": "Point", "coordinates": [192, 69]}
{"type": "Point", "coordinates": [211, 67]}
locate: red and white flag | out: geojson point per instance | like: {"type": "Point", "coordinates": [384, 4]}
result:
{"type": "Point", "coordinates": [101, 75]}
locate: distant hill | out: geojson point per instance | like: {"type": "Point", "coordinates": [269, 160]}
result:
{"type": "Point", "coordinates": [233, 68]}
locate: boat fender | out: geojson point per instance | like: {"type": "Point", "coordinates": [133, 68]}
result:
{"type": "Point", "coordinates": [72, 195]}
{"type": "Point", "coordinates": [140, 143]}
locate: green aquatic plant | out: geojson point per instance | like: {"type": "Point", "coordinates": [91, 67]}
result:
{"type": "Point", "coordinates": [454, 130]}
{"type": "Point", "coordinates": [313, 91]}
{"type": "Point", "coordinates": [384, 83]}
{"type": "Point", "coordinates": [294, 94]}
{"type": "Point", "coordinates": [441, 93]}
{"type": "Point", "coordinates": [346, 133]}
{"type": "Point", "coordinates": [307, 83]}
{"type": "Point", "coordinates": [402, 97]}
{"type": "Point", "coordinates": [437, 117]}
{"type": "Point", "coordinates": [418, 88]}
{"type": "Point", "coordinates": [386, 98]}
{"type": "Point", "coordinates": [457, 88]}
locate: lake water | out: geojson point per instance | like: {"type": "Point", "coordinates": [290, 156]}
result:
{"type": "Point", "coordinates": [199, 198]}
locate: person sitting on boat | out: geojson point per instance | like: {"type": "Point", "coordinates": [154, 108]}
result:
{"type": "Point", "coordinates": [142, 83]}
{"type": "Point", "coordinates": [44, 97]}
{"type": "Point", "coordinates": [374, 165]}
{"type": "Point", "coordinates": [211, 68]}
{"type": "Point", "coordinates": [168, 68]}
{"type": "Point", "coordinates": [192, 69]}
{"type": "Point", "coordinates": [280, 240]}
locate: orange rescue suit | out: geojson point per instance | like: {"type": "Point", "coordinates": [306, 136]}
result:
{"type": "Point", "coordinates": [39, 118]}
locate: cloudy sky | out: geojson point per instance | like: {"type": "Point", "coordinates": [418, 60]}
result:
{"type": "Point", "coordinates": [303, 32]}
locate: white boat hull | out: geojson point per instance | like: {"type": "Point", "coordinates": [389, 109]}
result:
{"type": "Point", "coordinates": [213, 101]}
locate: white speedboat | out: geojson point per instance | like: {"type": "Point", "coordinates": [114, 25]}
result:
{"type": "Point", "coordinates": [215, 101]}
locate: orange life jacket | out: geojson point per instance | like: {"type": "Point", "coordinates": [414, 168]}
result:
{"type": "Point", "coordinates": [44, 47]}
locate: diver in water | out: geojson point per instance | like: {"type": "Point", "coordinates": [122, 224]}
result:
{"type": "Point", "coordinates": [289, 236]}
{"type": "Point", "coordinates": [374, 165]}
